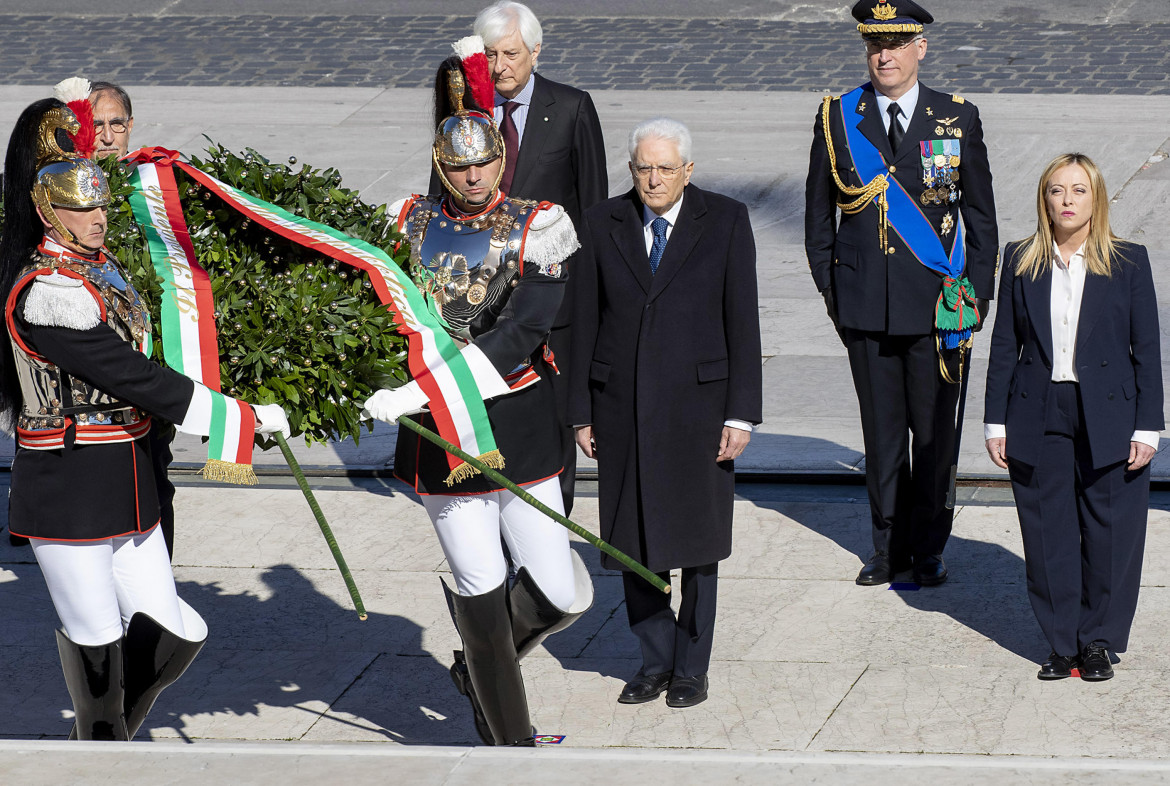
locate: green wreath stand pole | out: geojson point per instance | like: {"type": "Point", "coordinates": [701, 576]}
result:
{"type": "Point", "coordinates": [576, 529]}
{"type": "Point", "coordinates": [323, 524]}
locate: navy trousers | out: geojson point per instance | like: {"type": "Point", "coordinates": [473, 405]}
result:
{"type": "Point", "coordinates": [670, 645]}
{"type": "Point", "coordinates": [1084, 532]}
{"type": "Point", "coordinates": [901, 393]}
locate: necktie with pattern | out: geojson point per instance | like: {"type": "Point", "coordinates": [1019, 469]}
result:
{"type": "Point", "coordinates": [658, 227]}
{"type": "Point", "coordinates": [511, 145]}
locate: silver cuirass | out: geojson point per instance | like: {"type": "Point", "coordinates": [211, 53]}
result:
{"type": "Point", "coordinates": [49, 393]}
{"type": "Point", "coordinates": [468, 267]}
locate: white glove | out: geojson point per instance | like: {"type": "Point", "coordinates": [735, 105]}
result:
{"type": "Point", "coordinates": [270, 419]}
{"type": "Point", "coordinates": [389, 405]}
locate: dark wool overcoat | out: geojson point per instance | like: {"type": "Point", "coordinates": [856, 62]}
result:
{"type": "Point", "coordinates": [659, 362]}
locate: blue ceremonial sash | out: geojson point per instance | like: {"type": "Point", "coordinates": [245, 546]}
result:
{"type": "Point", "coordinates": [908, 221]}
{"type": "Point", "coordinates": [905, 216]}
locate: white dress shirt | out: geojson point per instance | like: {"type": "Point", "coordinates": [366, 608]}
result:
{"type": "Point", "coordinates": [671, 217]}
{"type": "Point", "coordinates": [1068, 288]}
{"type": "Point", "coordinates": [906, 104]}
{"type": "Point", "coordinates": [648, 217]}
{"type": "Point", "coordinates": [519, 114]}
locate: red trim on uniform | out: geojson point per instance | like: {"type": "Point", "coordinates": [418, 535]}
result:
{"type": "Point", "coordinates": [46, 439]}
{"type": "Point", "coordinates": [134, 472]}
{"type": "Point", "coordinates": [407, 206]}
{"type": "Point", "coordinates": [490, 206]}
{"type": "Point", "coordinates": [475, 493]}
{"type": "Point", "coordinates": [522, 379]}
{"type": "Point", "coordinates": [85, 434]}
{"type": "Point", "coordinates": [125, 534]}
{"type": "Point", "coordinates": [18, 287]}
{"type": "Point", "coordinates": [96, 435]}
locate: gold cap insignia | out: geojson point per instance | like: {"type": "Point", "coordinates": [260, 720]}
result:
{"type": "Point", "coordinates": [883, 12]}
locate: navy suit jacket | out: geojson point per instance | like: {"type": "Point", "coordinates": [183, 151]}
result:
{"type": "Point", "coordinates": [1118, 358]}
{"type": "Point", "coordinates": [887, 289]}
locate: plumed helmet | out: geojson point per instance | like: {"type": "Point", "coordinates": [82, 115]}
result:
{"type": "Point", "coordinates": [63, 178]}
{"type": "Point", "coordinates": [465, 133]}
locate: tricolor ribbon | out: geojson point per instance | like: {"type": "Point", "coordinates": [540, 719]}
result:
{"type": "Point", "coordinates": [188, 328]}
{"type": "Point", "coordinates": [452, 385]}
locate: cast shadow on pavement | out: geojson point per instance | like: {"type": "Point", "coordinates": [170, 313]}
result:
{"type": "Point", "coordinates": [281, 662]}
{"type": "Point", "coordinates": [986, 590]}
{"type": "Point", "coordinates": [316, 669]}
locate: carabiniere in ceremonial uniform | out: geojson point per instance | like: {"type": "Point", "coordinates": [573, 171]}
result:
{"type": "Point", "coordinates": [492, 272]}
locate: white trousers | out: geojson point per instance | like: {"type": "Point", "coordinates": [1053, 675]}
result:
{"type": "Point", "coordinates": [97, 586]}
{"type": "Point", "coordinates": [469, 530]}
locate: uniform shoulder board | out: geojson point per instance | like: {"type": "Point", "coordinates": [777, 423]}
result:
{"type": "Point", "coordinates": [56, 300]}
{"type": "Point", "coordinates": [958, 99]}
{"type": "Point", "coordinates": [551, 239]}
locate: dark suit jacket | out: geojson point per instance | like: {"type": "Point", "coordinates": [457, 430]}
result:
{"type": "Point", "coordinates": [658, 363]}
{"type": "Point", "coordinates": [1118, 359]}
{"type": "Point", "coordinates": [888, 290]}
{"type": "Point", "coordinates": [562, 156]}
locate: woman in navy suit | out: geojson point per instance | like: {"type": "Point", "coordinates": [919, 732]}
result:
{"type": "Point", "coordinates": [1073, 411]}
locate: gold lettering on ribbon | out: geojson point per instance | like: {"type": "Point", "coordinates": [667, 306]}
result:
{"type": "Point", "coordinates": [184, 282]}
{"type": "Point", "coordinates": [397, 290]}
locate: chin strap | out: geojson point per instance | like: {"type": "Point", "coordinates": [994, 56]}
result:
{"type": "Point", "coordinates": [40, 197]}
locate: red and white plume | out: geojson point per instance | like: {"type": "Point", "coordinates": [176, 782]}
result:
{"type": "Point", "coordinates": [74, 92]}
{"type": "Point", "coordinates": [476, 71]}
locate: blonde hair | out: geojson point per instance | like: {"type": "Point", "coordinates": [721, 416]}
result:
{"type": "Point", "coordinates": [1100, 248]}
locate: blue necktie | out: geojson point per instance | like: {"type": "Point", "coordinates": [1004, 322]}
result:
{"type": "Point", "coordinates": [658, 227]}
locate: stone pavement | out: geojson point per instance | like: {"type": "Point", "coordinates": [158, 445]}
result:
{"type": "Point", "coordinates": [814, 678]}
{"type": "Point", "coordinates": [594, 53]}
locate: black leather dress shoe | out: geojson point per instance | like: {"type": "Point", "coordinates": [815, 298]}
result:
{"type": "Point", "coordinates": [687, 691]}
{"type": "Point", "coordinates": [930, 571]}
{"type": "Point", "coordinates": [876, 571]}
{"type": "Point", "coordinates": [1057, 667]}
{"type": "Point", "coordinates": [644, 688]}
{"type": "Point", "coordinates": [1095, 665]}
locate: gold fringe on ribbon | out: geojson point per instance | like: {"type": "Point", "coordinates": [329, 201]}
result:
{"type": "Point", "coordinates": [465, 471]}
{"type": "Point", "coordinates": [494, 459]}
{"type": "Point", "coordinates": [229, 472]}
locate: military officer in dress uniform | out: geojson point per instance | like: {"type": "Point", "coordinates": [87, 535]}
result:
{"type": "Point", "coordinates": [494, 268]}
{"type": "Point", "coordinates": [79, 390]}
{"type": "Point", "coordinates": [901, 239]}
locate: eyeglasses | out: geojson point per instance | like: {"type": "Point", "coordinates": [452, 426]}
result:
{"type": "Point", "coordinates": [873, 47]}
{"type": "Point", "coordinates": [118, 125]}
{"type": "Point", "coordinates": [642, 171]}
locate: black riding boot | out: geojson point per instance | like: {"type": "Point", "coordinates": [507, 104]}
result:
{"type": "Point", "coordinates": [154, 659]}
{"type": "Point", "coordinates": [534, 617]}
{"type": "Point", "coordinates": [493, 670]}
{"type": "Point", "coordinates": [94, 678]}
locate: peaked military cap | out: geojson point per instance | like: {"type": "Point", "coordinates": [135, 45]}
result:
{"type": "Point", "coordinates": [890, 18]}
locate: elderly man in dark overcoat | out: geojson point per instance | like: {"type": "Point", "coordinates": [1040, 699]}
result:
{"type": "Point", "coordinates": [665, 387]}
